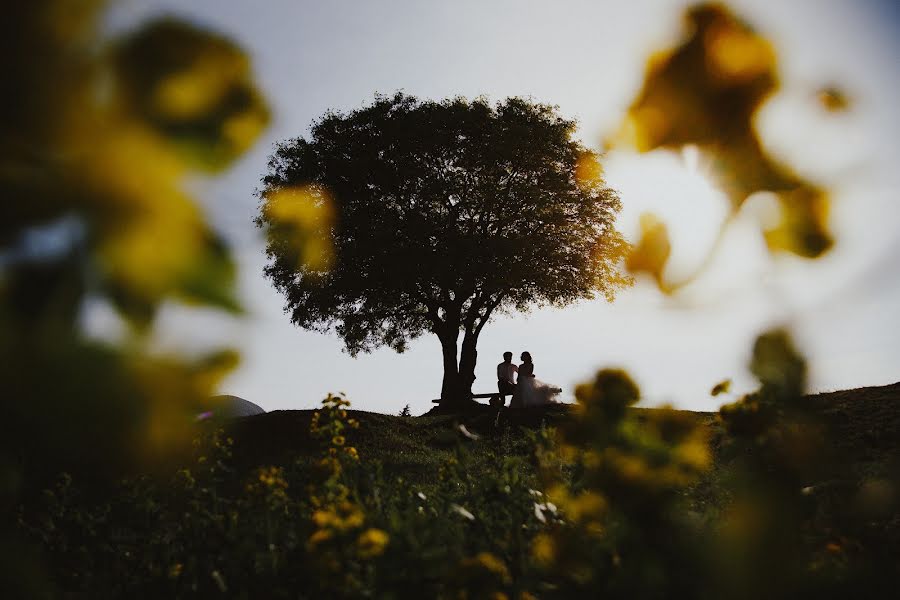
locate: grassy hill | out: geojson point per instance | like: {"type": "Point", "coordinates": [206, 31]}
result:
{"type": "Point", "coordinates": [454, 505]}
{"type": "Point", "coordinates": [863, 445]}
{"type": "Point", "coordinates": [865, 423]}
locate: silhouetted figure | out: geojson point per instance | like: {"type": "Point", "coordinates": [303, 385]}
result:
{"type": "Point", "coordinates": [506, 377]}
{"type": "Point", "coordinates": [531, 391]}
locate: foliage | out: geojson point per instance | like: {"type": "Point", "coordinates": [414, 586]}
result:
{"type": "Point", "coordinates": [439, 214]}
{"type": "Point", "coordinates": [624, 533]}
{"type": "Point", "coordinates": [705, 93]}
{"type": "Point", "coordinates": [320, 527]}
{"type": "Point", "coordinates": [96, 212]}
{"type": "Point", "coordinates": [98, 136]}
{"type": "Point", "coordinates": [615, 501]}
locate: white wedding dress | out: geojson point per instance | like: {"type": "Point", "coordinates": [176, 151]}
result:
{"type": "Point", "coordinates": [531, 391]}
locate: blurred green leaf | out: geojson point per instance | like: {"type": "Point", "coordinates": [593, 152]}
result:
{"type": "Point", "coordinates": [195, 87]}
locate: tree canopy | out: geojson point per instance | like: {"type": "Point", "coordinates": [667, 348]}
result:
{"type": "Point", "coordinates": [409, 216]}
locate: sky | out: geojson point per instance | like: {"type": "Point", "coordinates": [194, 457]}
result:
{"type": "Point", "coordinates": [588, 59]}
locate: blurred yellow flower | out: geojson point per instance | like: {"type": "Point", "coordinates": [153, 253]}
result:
{"type": "Point", "coordinates": [833, 98]}
{"type": "Point", "coordinates": [694, 454]}
{"type": "Point", "coordinates": [735, 53]}
{"type": "Point", "coordinates": [585, 506]}
{"type": "Point", "coordinates": [272, 477]}
{"type": "Point", "coordinates": [321, 535]}
{"type": "Point", "coordinates": [345, 516]}
{"type": "Point", "coordinates": [372, 542]}
{"type": "Point", "coordinates": [543, 549]}
{"type": "Point", "coordinates": [190, 93]}
{"type": "Point", "coordinates": [303, 215]}
{"type": "Point", "coordinates": [651, 253]}
{"type": "Point", "coordinates": [323, 518]}
{"type": "Point", "coordinates": [492, 564]}
{"type": "Point", "coordinates": [723, 387]}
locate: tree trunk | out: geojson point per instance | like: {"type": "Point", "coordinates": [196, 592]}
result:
{"type": "Point", "coordinates": [456, 388]}
{"type": "Point", "coordinates": [468, 357]}
{"type": "Point", "coordinates": [450, 388]}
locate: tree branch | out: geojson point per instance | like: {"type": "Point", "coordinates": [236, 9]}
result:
{"type": "Point", "coordinates": [491, 306]}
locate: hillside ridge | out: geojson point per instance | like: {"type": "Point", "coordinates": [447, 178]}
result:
{"type": "Point", "coordinates": [865, 421]}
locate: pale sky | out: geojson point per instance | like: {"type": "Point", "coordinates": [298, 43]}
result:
{"type": "Point", "coordinates": [587, 58]}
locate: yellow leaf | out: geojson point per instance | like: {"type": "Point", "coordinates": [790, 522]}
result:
{"type": "Point", "coordinates": [652, 251]}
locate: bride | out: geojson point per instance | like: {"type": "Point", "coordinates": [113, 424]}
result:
{"type": "Point", "coordinates": [531, 391]}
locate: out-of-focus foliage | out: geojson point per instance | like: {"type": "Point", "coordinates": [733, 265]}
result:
{"type": "Point", "coordinates": [705, 93]}
{"type": "Point", "coordinates": [94, 206]}
{"type": "Point", "coordinates": [300, 219]}
{"type": "Point", "coordinates": [421, 201]}
{"type": "Point", "coordinates": [834, 99]}
{"type": "Point", "coordinates": [342, 542]}
{"type": "Point", "coordinates": [788, 516]}
{"type": "Point", "coordinates": [331, 524]}
{"type": "Point", "coordinates": [616, 502]}
{"type": "Point", "coordinates": [195, 87]}
{"type": "Point", "coordinates": [97, 138]}
{"type": "Point", "coordinates": [623, 534]}
{"type": "Point", "coordinates": [652, 251]}
{"type": "Point", "coordinates": [723, 387]}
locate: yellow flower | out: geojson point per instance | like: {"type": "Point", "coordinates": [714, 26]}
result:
{"type": "Point", "coordinates": [492, 564]}
{"type": "Point", "coordinates": [372, 542]}
{"type": "Point", "coordinates": [272, 476]}
{"type": "Point", "coordinates": [338, 440]}
{"type": "Point", "coordinates": [345, 517]}
{"type": "Point", "coordinates": [586, 506]}
{"type": "Point", "coordinates": [331, 464]}
{"type": "Point", "coordinates": [323, 518]}
{"type": "Point", "coordinates": [353, 517]}
{"type": "Point", "coordinates": [543, 549]}
{"type": "Point", "coordinates": [321, 535]}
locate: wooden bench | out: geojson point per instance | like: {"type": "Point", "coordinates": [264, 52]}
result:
{"type": "Point", "coordinates": [494, 398]}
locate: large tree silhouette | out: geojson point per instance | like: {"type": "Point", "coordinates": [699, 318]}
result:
{"type": "Point", "coordinates": [438, 215]}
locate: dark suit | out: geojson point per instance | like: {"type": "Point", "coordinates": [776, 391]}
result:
{"type": "Point", "coordinates": [506, 387]}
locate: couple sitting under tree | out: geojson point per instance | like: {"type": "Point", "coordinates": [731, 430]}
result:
{"type": "Point", "coordinates": [526, 389]}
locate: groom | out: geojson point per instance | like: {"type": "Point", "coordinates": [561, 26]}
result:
{"type": "Point", "coordinates": [506, 377]}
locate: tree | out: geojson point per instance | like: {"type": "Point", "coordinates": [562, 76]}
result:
{"type": "Point", "coordinates": [408, 216]}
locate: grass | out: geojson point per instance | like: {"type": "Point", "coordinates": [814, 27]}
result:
{"type": "Point", "coordinates": [865, 426]}
{"type": "Point", "coordinates": [254, 511]}
{"type": "Point", "coordinates": [865, 423]}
